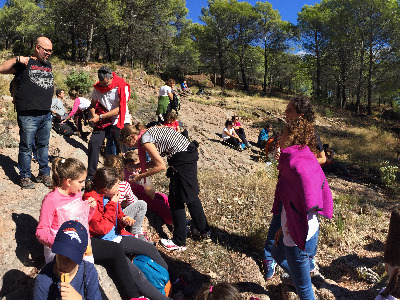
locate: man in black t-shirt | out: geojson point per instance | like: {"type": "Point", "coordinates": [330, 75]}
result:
{"type": "Point", "coordinates": [32, 102]}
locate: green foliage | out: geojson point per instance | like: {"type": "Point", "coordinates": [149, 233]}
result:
{"type": "Point", "coordinates": [20, 48]}
{"type": "Point", "coordinates": [396, 105]}
{"type": "Point", "coordinates": [328, 112]}
{"type": "Point", "coordinates": [388, 173]}
{"type": "Point", "coordinates": [79, 81]}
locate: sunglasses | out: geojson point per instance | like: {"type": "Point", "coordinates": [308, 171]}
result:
{"type": "Point", "coordinates": [46, 50]}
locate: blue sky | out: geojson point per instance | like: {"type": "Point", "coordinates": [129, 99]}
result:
{"type": "Point", "coordinates": [287, 8]}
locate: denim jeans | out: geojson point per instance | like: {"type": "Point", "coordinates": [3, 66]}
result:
{"type": "Point", "coordinates": [269, 243]}
{"type": "Point", "coordinates": [32, 125]}
{"type": "Point", "coordinates": [297, 263]}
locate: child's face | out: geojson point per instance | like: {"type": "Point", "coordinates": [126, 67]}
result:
{"type": "Point", "coordinates": [64, 264]}
{"type": "Point", "coordinates": [111, 192]}
{"type": "Point", "coordinates": [76, 185]}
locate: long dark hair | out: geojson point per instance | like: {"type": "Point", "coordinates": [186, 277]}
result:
{"type": "Point", "coordinates": [105, 178]}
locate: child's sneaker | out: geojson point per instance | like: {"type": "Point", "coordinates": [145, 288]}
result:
{"type": "Point", "coordinates": [269, 268]}
{"type": "Point", "coordinates": [170, 245]}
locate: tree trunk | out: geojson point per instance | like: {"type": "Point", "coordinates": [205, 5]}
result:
{"type": "Point", "coordinates": [369, 88]}
{"type": "Point", "coordinates": [265, 67]}
{"type": "Point", "coordinates": [73, 45]}
{"type": "Point", "coordinates": [318, 67]}
{"type": "Point", "coordinates": [108, 50]}
{"type": "Point", "coordinates": [89, 43]}
{"type": "Point", "coordinates": [359, 84]}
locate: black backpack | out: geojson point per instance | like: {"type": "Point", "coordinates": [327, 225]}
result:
{"type": "Point", "coordinates": [175, 103]}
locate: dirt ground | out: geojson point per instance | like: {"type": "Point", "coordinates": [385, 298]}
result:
{"type": "Point", "coordinates": [22, 255]}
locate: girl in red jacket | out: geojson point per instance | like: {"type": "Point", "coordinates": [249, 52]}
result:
{"type": "Point", "coordinates": [109, 222]}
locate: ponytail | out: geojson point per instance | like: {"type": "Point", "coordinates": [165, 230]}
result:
{"type": "Point", "coordinates": [66, 168]}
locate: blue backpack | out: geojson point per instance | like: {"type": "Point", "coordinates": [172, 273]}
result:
{"type": "Point", "coordinates": [155, 274]}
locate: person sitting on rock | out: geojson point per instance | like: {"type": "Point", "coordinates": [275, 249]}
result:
{"type": "Point", "coordinates": [229, 136]}
{"type": "Point", "coordinates": [240, 130]}
{"type": "Point", "coordinates": [68, 276]}
{"type": "Point", "coordinates": [264, 135]}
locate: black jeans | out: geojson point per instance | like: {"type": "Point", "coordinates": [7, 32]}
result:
{"type": "Point", "coordinates": [111, 256]}
{"type": "Point", "coordinates": [179, 218]}
{"type": "Point", "coordinates": [134, 246]}
{"type": "Point", "coordinates": [95, 143]}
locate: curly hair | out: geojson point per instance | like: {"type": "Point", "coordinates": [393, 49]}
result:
{"type": "Point", "coordinates": [301, 132]}
{"type": "Point", "coordinates": [129, 130]}
{"type": "Point", "coordinates": [303, 106]}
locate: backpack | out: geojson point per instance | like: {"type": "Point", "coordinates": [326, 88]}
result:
{"type": "Point", "coordinates": [14, 88]}
{"type": "Point", "coordinates": [175, 103]}
{"type": "Point", "coordinates": [155, 274]}
{"type": "Point", "coordinates": [63, 129]}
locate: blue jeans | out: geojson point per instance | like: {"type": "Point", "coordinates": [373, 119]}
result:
{"type": "Point", "coordinates": [273, 228]}
{"type": "Point", "coordinates": [38, 125]}
{"type": "Point", "coordinates": [296, 262]}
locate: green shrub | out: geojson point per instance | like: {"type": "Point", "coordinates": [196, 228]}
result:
{"type": "Point", "coordinates": [79, 81]}
{"type": "Point", "coordinates": [388, 173]}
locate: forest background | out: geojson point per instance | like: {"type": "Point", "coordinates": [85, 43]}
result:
{"type": "Point", "coordinates": [345, 52]}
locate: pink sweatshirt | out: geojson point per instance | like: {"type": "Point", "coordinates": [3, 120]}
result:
{"type": "Point", "coordinates": [48, 220]}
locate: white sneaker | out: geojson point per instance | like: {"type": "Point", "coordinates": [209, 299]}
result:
{"type": "Point", "coordinates": [170, 245]}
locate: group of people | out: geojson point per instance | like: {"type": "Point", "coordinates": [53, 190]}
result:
{"type": "Point", "coordinates": [103, 225]}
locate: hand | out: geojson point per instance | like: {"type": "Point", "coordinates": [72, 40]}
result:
{"type": "Point", "coordinates": [24, 60]}
{"type": "Point", "coordinates": [92, 202]}
{"type": "Point", "coordinates": [277, 153]}
{"type": "Point", "coordinates": [135, 177]}
{"type": "Point", "coordinates": [115, 198]}
{"type": "Point", "coordinates": [95, 118]}
{"type": "Point", "coordinates": [278, 236]}
{"type": "Point", "coordinates": [68, 292]}
{"type": "Point", "coordinates": [128, 221]}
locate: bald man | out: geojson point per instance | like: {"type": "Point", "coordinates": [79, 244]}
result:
{"type": "Point", "coordinates": [32, 102]}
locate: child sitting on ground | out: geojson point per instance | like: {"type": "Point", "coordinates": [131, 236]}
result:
{"type": "Point", "coordinates": [171, 121]}
{"type": "Point", "coordinates": [220, 291]}
{"type": "Point", "coordinates": [68, 276]}
{"type": "Point", "coordinates": [391, 258]}
{"type": "Point", "coordinates": [264, 135]}
{"type": "Point", "coordinates": [108, 188]}
{"type": "Point", "coordinates": [109, 222]}
{"type": "Point", "coordinates": [63, 202]}
{"type": "Point", "coordinates": [156, 202]}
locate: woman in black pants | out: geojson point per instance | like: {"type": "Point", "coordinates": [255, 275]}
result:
{"type": "Point", "coordinates": [183, 188]}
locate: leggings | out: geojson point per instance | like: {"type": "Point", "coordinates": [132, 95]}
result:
{"type": "Point", "coordinates": [111, 256]}
{"type": "Point", "coordinates": [137, 211]}
{"type": "Point", "coordinates": [134, 246]}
